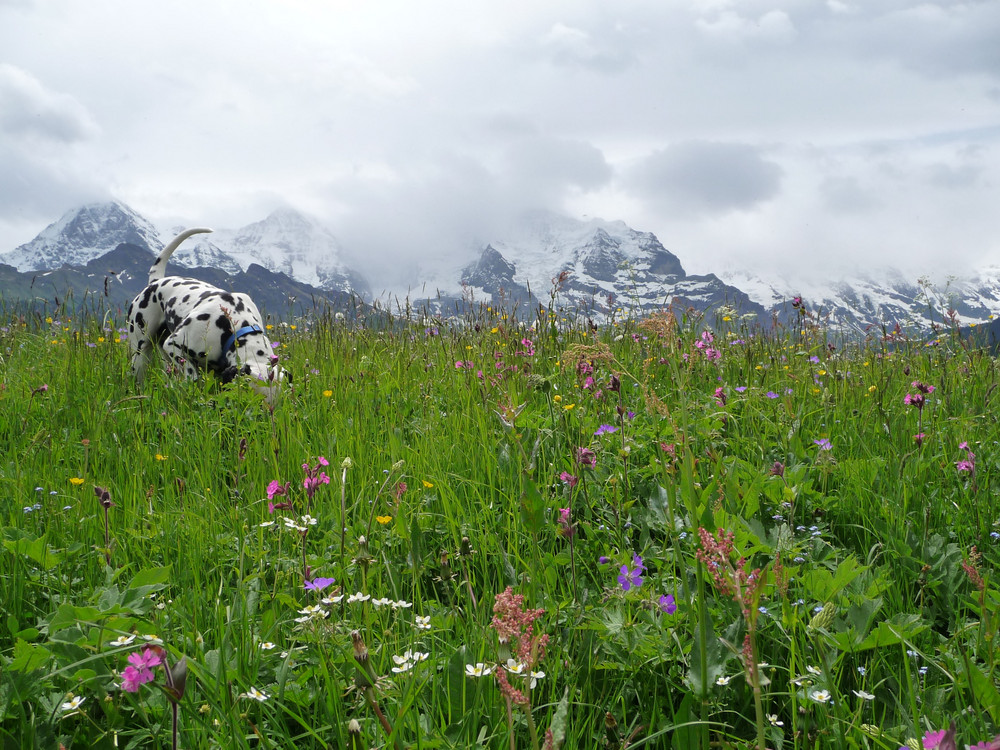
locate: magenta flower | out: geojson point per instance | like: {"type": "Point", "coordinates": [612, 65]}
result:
{"type": "Point", "coordinates": [667, 604]}
{"type": "Point", "coordinates": [566, 526]}
{"type": "Point", "coordinates": [276, 489]}
{"type": "Point", "coordinates": [140, 669]}
{"type": "Point", "coordinates": [586, 458]}
{"type": "Point", "coordinates": [315, 476]}
{"type": "Point", "coordinates": [567, 478]}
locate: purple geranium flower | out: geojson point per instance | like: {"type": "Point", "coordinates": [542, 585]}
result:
{"type": "Point", "coordinates": [605, 429]}
{"type": "Point", "coordinates": [318, 584]}
{"type": "Point", "coordinates": [667, 604]}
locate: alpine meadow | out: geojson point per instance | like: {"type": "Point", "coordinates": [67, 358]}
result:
{"type": "Point", "coordinates": [507, 529]}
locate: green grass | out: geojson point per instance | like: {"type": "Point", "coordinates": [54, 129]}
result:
{"type": "Point", "coordinates": [866, 624]}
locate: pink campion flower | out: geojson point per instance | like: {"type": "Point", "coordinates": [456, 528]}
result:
{"type": "Point", "coordinates": [586, 458]}
{"type": "Point", "coordinates": [919, 439]}
{"type": "Point", "coordinates": [922, 387]}
{"type": "Point", "coordinates": [314, 476]}
{"type": "Point", "coordinates": [140, 669]}
{"type": "Point", "coordinates": [566, 527]}
{"type": "Point", "coordinates": [568, 479]}
{"type": "Point", "coordinates": [131, 680]}
{"type": "Point", "coordinates": [720, 396]}
{"type": "Point", "coordinates": [276, 489]}
{"type": "Point", "coordinates": [914, 399]}
{"type": "Point", "coordinates": [968, 464]}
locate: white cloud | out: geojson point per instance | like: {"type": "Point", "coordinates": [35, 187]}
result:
{"type": "Point", "coordinates": [778, 131]}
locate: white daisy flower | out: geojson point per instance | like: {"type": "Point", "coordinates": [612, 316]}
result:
{"type": "Point", "coordinates": [123, 640]}
{"type": "Point", "coordinates": [266, 524]}
{"type": "Point", "coordinates": [257, 695]}
{"type": "Point", "coordinates": [328, 600]}
{"type": "Point", "coordinates": [814, 670]}
{"type": "Point", "coordinates": [820, 696]}
{"type": "Point", "coordinates": [723, 680]}
{"type": "Point", "coordinates": [72, 704]}
{"type": "Point", "coordinates": [266, 646]}
{"type": "Point", "coordinates": [423, 623]}
{"type": "Point", "coordinates": [514, 667]}
{"type": "Point", "coordinates": [535, 677]}
{"type": "Point", "coordinates": [477, 670]}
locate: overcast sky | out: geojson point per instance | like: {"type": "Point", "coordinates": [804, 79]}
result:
{"type": "Point", "coordinates": [784, 135]}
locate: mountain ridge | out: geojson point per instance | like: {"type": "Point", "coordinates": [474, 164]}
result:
{"type": "Point", "coordinates": [600, 267]}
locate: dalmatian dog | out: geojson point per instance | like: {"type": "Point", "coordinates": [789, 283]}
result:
{"type": "Point", "coordinates": [199, 327]}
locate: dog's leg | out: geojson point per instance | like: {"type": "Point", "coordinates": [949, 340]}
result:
{"type": "Point", "coordinates": [180, 355]}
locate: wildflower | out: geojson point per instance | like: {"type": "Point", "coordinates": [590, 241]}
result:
{"type": "Point", "coordinates": [422, 622]}
{"type": "Point", "coordinates": [318, 584]}
{"type": "Point", "coordinates": [824, 444]}
{"type": "Point", "coordinates": [72, 704]}
{"type": "Point", "coordinates": [863, 695]}
{"type": "Point", "coordinates": [775, 721]}
{"type": "Point", "coordinates": [358, 597]}
{"type": "Point", "coordinates": [315, 476]}
{"type": "Point", "coordinates": [919, 438]}
{"type": "Point", "coordinates": [603, 560]}
{"type": "Point", "coordinates": [568, 479]}
{"type": "Point", "coordinates": [267, 646]}
{"type": "Point", "coordinates": [606, 429]}
{"type": "Point", "coordinates": [771, 394]}
{"type": "Point", "coordinates": [427, 485]}
{"type": "Point", "coordinates": [123, 640]}
{"type": "Point", "coordinates": [255, 694]}
{"type": "Point", "coordinates": [327, 393]}
{"type": "Point", "coordinates": [566, 526]}
{"type": "Point", "coordinates": [820, 696]}
{"type": "Point", "coordinates": [513, 666]}
{"type": "Point", "coordinates": [586, 458]}
{"type": "Point", "coordinates": [778, 469]}
{"type": "Point", "coordinates": [383, 520]}
{"type": "Point", "coordinates": [629, 578]}
{"type": "Point", "coordinates": [667, 604]}
{"type": "Point", "coordinates": [477, 670]}
{"type": "Point", "coordinates": [76, 481]}
{"type": "Point", "coordinates": [535, 677]}
{"type": "Point", "coordinates": [933, 739]}
{"type": "Point", "coordinates": [723, 680]}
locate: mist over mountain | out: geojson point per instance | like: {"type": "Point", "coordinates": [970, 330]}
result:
{"type": "Point", "coordinates": [601, 268]}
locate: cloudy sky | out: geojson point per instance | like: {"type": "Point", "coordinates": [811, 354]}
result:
{"type": "Point", "coordinates": [790, 136]}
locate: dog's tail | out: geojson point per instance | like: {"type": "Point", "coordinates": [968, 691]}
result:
{"type": "Point", "coordinates": [160, 264]}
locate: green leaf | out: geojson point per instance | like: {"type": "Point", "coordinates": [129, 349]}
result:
{"type": "Point", "coordinates": [29, 656]}
{"type": "Point", "coordinates": [558, 725]}
{"type": "Point", "coordinates": [983, 688]}
{"type": "Point", "coordinates": [532, 507]}
{"type": "Point", "coordinates": [37, 550]}
{"type": "Point", "coordinates": [150, 577]}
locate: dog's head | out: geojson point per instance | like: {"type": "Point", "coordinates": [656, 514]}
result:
{"type": "Point", "coordinates": [254, 358]}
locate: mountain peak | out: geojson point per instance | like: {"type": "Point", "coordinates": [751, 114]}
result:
{"type": "Point", "coordinates": [84, 233]}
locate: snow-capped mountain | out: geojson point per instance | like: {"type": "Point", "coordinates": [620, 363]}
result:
{"type": "Point", "coordinates": [285, 242]}
{"type": "Point", "coordinates": [83, 234]}
{"type": "Point", "coordinates": [595, 265]}
{"type": "Point", "coordinates": [881, 298]}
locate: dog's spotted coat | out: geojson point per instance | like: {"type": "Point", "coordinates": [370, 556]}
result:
{"type": "Point", "coordinates": [197, 326]}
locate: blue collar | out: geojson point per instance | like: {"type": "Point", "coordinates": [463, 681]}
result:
{"type": "Point", "coordinates": [244, 331]}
